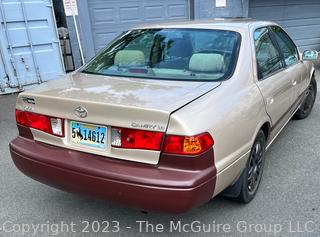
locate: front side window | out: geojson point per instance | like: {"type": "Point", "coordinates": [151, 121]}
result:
{"type": "Point", "coordinates": [287, 47]}
{"type": "Point", "coordinates": [175, 54]}
{"type": "Point", "coordinates": [267, 55]}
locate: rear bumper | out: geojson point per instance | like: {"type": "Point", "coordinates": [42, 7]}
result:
{"type": "Point", "coordinates": [167, 187]}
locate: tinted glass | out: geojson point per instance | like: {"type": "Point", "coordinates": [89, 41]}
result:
{"type": "Point", "coordinates": [175, 54]}
{"type": "Point", "coordinates": [287, 47]}
{"type": "Point", "coordinates": [268, 57]}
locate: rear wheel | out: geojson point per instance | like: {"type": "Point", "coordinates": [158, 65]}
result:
{"type": "Point", "coordinates": [254, 169]}
{"type": "Point", "coordinates": [307, 105]}
{"type": "Point", "coordinates": [246, 187]}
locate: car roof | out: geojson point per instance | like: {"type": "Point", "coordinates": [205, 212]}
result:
{"type": "Point", "coordinates": [215, 23]}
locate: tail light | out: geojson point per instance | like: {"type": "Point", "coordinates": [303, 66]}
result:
{"type": "Point", "coordinates": [51, 125]}
{"type": "Point", "coordinates": [149, 140]}
{"type": "Point", "coordinates": [136, 139]}
{"type": "Point", "coordinates": [188, 145]}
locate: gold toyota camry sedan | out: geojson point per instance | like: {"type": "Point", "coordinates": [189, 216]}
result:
{"type": "Point", "coordinates": [167, 116]}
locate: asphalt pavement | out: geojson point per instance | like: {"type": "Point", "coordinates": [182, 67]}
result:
{"type": "Point", "coordinates": [287, 203]}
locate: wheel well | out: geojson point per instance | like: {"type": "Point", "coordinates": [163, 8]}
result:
{"type": "Point", "coordinates": [313, 79]}
{"type": "Point", "coordinates": [266, 129]}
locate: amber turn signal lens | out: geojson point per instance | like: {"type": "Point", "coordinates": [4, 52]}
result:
{"type": "Point", "coordinates": [191, 145]}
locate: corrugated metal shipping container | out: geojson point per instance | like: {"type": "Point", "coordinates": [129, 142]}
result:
{"type": "Point", "coordinates": [29, 45]}
{"type": "Point", "coordinates": [301, 19]}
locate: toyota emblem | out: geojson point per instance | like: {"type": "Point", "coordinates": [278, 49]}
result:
{"type": "Point", "coordinates": [81, 112]}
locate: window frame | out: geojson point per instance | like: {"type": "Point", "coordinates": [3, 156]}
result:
{"type": "Point", "coordinates": [275, 44]}
{"type": "Point", "coordinates": [276, 41]}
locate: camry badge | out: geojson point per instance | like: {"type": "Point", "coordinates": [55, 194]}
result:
{"type": "Point", "coordinates": [81, 112]}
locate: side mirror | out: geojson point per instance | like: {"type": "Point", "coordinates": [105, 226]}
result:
{"type": "Point", "coordinates": [310, 55]}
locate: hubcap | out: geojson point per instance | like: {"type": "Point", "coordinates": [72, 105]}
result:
{"type": "Point", "coordinates": [255, 167]}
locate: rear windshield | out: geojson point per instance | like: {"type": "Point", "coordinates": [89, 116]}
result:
{"type": "Point", "coordinates": [172, 54]}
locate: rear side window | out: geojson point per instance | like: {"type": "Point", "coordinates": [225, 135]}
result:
{"type": "Point", "coordinates": [267, 55]}
{"type": "Point", "coordinates": [287, 47]}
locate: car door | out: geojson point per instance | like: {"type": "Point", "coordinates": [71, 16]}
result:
{"type": "Point", "coordinates": [273, 81]}
{"type": "Point", "coordinates": [293, 65]}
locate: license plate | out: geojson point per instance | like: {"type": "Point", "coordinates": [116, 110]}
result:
{"type": "Point", "coordinates": [88, 135]}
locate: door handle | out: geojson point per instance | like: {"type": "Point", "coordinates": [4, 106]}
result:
{"type": "Point", "coordinates": [294, 83]}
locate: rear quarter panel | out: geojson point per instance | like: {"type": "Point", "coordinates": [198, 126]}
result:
{"type": "Point", "coordinates": [233, 113]}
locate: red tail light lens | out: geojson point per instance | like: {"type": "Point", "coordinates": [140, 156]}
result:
{"type": "Point", "coordinates": [136, 139]}
{"type": "Point", "coordinates": [148, 140]}
{"type": "Point", "coordinates": [188, 145]}
{"type": "Point", "coordinates": [41, 122]}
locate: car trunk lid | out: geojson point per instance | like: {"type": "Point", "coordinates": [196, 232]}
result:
{"type": "Point", "coordinates": [112, 101]}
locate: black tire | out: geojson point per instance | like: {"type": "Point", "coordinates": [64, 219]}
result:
{"type": "Point", "coordinates": [239, 190]}
{"type": "Point", "coordinates": [307, 105]}
{"type": "Point", "coordinates": [252, 174]}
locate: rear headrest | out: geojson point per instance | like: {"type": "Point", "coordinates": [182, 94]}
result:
{"type": "Point", "coordinates": [129, 57]}
{"type": "Point", "coordinates": [206, 62]}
